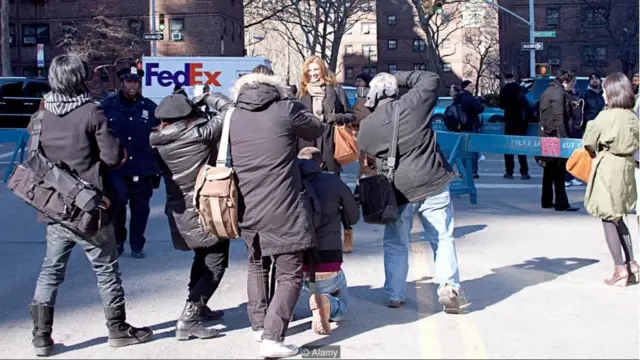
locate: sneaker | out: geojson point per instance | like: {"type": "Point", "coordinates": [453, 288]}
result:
{"type": "Point", "coordinates": [567, 184]}
{"type": "Point", "coordinates": [138, 254]}
{"type": "Point", "coordinates": [321, 308]}
{"type": "Point", "coordinates": [394, 304]}
{"type": "Point", "coordinates": [448, 298]}
{"type": "Point", "coordinates": [257, 335]}
{"type": "Point", "coordinates": [481, 158]}
{"type": "Point", "coordinates": [576, 182]}
{"type": "Point", "coordinates": [120, 248]}
{"type": "Point", "coordinates": [525, 177]}
{"type": "Point", "coordinates": [277, 349]}
{"type": "Point", "coordinates": [476, 176]}
{"type": "Point", "coordinates": [508, 176]}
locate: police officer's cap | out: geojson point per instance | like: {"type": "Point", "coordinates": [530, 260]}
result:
{"type": "Point", "coordinates": [174, 106]}
{"type": "Point", "coordinates": [131, 73]}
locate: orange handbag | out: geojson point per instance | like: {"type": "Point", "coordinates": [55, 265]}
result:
{"type": "Point", "coordinates": [579, 164]}
{"type": "Point", "coordinates": [346, 148]}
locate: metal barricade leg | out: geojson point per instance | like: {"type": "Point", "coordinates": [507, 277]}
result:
{"type": "Point", "coordinates": [19, 148]}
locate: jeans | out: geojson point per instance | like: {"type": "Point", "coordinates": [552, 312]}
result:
{"type": "Point", "coordinates": [138, 195]}
{"type": "Point", "coordinates": [272, 315]}
{"type": "Point", "coordinates": [104, 261]}
{"type": "Point", "coordinates": [207, 270]}
{"type": "Point", "coordinates": [336, 290]}
{"type": "Point", "coordinates": [436, 215]}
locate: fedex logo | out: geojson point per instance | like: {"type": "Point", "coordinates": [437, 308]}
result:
{"type": "Point", "coordinates": [191, 75]}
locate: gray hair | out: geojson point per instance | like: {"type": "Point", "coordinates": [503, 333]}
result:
{"type": "Point", "coordinates": [68, 74]}
{"type": "Point", "coordinates": [384, 83]}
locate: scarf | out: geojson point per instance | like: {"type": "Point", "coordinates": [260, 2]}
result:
{"type": "Point", "coordinates": [60, 104]}
{"type": "Point", "coordinates": [317, 93]}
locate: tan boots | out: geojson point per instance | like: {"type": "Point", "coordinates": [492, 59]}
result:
{"type": "Point", "coordinates": [348, 241]}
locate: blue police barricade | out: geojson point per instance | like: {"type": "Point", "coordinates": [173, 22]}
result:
{"type": "Point", "coordinates": [18, 136]}
{"type": "Point", "coordinates": [459, 147]}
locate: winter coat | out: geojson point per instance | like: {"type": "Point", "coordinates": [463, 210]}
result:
{"type": "Point", "coordinates": [471, 107]}
{"type": "Point", "coordinates": [555, 111]}
{"type": "Point", "coordinates": [514, 104]}
{"type": "Point", "coordinates": [611, 190]}
{"type": "Point", "coordinates": [335, 200]}
{"type": "Point", "coordinates": [593, 104]}
{"type": "Point", "coordinates": [422, 170]}
{"type": "Point", "coordinates": [184, 147]}
{"type": "Point", "coordinates": [265, 127]}
{"type": "Point", "coordinates": [336, 103]}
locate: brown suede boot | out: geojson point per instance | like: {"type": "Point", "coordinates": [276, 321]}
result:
{"type": "Point", "coordinates": [348, 241]}
{"type": "Point", "coordinates": [620, 276]}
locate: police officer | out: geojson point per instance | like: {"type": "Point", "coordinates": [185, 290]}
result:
{"type": "Point", "coordinates": [131, 117]}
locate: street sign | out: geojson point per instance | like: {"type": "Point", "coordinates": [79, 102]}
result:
{"type": "Point", "coordinates": [537, 46]}
{"type": "Point", "coordinates": [153, 36]}
{"type": "Point", "coordinates": [544, 34]}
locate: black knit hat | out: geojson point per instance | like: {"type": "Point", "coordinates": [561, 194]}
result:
{"type": "Point", "coordinates": [365, 77]}
{"type": "Point", "coordinates": [465, 84]}
{"type": "Point", "coordinates": [174, 106]}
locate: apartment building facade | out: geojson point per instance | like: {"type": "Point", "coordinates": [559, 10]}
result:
{"type": "Point", "coordinates": [192, 28]}
{"type": "Point", "coordinates": [582, 36]}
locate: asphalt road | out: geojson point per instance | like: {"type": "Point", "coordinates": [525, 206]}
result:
{"type": "Point", "coordinates": [532, 280]}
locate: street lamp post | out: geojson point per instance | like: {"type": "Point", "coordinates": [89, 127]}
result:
{"type": "Point", "coordinates": [530, 23]}
{"type": "Point", "coordinates": [153, 27]}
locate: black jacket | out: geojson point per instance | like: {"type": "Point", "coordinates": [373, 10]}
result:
{"type": "Point", "coordinates": [335, 199]}
{"type": "Point", "coordinates": [471, 107]}
{"type": "Point", "coordinates": [422, 169]}
{"type": "Point", "coordinates": [183, 148]}
{"type": "Point", "coordinates": [555, 111]}
{"type": "Point", "coordinates": [265, 127]}
{"type": "Point", "coordinates": [335, 109]}
{"type": "Point", "coordinates": [593, 104]}
{"type": "Point", "coordinates": [514, 105]}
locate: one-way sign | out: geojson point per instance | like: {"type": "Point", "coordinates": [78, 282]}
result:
{"type": "Point", "coordinates": [537, 46]}
{"type": "Point", "coordinates": [153, 36]}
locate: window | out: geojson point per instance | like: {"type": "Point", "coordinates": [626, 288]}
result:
{"type": "Point", "coordinates": [349, 73]}
{"type": "Point", "coordinates": [348, 49]}
{"type": "Point", "coordinates": [176, 27]}
{"type": "Point", "coordinates": [392, 44]}
{"type": "Point", "coordinates": [445, 44]}
{"type": "Point", "coordinates": [419, 45]}
{"type": "Point", "coordinates": [11, 89]}
{"type": "Point", "coordinates": [594, 55]}
{"type": "Point", "coordinates": [594, 16]}
{"type": "Point", "coordinates": [12, 35]}
{"type": "Point", "coordinates": [33, 34]}
{"type": "Point", "coordinates": [368, 5]}
{"type": "Point", "coordinates": [33, 72]}
{"type": "Point", "coordinates": [135, 26]}
{"type": "Point", "coordinates": [370, 70]}
{"type": "Point", "coordinates": [553, 17]}
{"type": "Point", "coordinates": [446, 67]}
{"type": "Point", "coordinates": [393, 68]}
{"type": "Point", "coordinates": [419, 67]}
{"type": "Point", "coordinates": [391, 20]}
{"type": "Point", "coordinates": [553, 56]}
{"type": "Point", "coordinates": [36, 89]}
{"type": "Point", "coordinates": [368, 28]}
{"type": "Point", "coordinates": [369, 51]}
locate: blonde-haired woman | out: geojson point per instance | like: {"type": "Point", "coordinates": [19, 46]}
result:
{"type": "Point", "coordinates": [320, 93]}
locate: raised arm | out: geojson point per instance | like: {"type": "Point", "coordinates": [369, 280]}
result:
{"type": "Point", "coordinates": [303, 123]}
{"type": "Point", "coordinates": [423, 87]}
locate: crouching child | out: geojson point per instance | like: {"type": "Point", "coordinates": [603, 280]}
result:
{"type": "Point", "coordinates": [335, 199]}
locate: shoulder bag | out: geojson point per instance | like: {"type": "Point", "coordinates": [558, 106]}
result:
{"type": "Point", "coordinates": [377, 193]}
{"type": "Point", "coordinates": [56, 192]}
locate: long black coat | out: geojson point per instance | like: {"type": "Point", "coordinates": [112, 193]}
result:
{"type": "Point", "coordinates": [264, 130]}
{"type": "Point", "coordinates": [184, 147]}
{"type": "Point", "coordinates": [555, 111]}
{"type": "Point", "coordinates": [513, 102]}
{"type": "Point", "coordinates": [335, 102]}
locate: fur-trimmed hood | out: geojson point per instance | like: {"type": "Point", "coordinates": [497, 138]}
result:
{"type": "Point", "coordinates": [255, 92]}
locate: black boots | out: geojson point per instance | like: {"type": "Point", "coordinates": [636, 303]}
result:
{"type": "Point", "coordinates": [121, 333]}
{"type": "Point", "coordinates": [206, 314]}
{"type": "Point", "coordinates": [42, 326]}
{"type": "Point", "coordinates": [188, 325]}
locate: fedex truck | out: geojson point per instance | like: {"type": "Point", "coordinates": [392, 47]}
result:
{"type": "Point", "coordinates": [162, 74]}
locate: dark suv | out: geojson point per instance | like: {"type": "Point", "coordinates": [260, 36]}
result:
{"type": "Point", "coordinates": [19, 99]}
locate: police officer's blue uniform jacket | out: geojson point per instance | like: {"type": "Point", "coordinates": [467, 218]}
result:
{"type": "Point", "coordinates": [132, 121]}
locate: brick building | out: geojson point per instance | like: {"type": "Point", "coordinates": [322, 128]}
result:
{"type": "Point", "coordinates": [192, 28]}
{"type": "Point", "coordinates": [582, 36]}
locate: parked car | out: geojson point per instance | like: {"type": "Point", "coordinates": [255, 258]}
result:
{"type": "Point", "coordinates": [491, 114]}
{"type": "Point", "coordinates": [19, 98]}
{"type": "Point", "coordinates": [539, 84]}
{"type": "Point", "coordinates": [351, 94]}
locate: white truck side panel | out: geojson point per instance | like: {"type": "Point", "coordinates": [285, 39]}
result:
{"type": "Point", "coordinates": [162, 74]}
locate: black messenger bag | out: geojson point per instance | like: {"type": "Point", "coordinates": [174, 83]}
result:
{"type": "Point", "coordinates": [57, 193]}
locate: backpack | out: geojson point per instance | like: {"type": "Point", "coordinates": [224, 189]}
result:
{"type": "Point", "coordinates": [57, 192]}
{"type": "Point", "coordinates": [215, 198]}
{"type": "Point", "coordinates": [455, 119]}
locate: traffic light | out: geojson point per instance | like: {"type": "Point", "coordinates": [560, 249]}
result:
{"type": "Point", "coordinates": [161, 26]}
{"type": "Point", "coordinates": [543, 70]}
{"type": "Point", "coordinates": [437, 7]}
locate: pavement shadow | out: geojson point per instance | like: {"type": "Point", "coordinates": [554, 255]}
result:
{"type": "Point", "coordinates": [462, 231]}
{"type": "Point", "coordinates": [506, 281]}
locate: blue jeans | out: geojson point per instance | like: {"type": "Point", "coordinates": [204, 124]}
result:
{"type": "Point", "coordinates": [436, 215]}
{"type": "Point", "coordinates": [336, 290]}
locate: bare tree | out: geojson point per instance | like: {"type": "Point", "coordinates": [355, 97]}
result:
{"type": "Point", "coordinates": [102, 39]}
{"type": "Point", "coordinates": [482, 58]}
{"type": "Point", "coordinates": [438, 29]}
{"type": "Point", "coordinates": [5, 46]}
{"type": "Point", "coordinates": [258, 12]}
{"type": "Point", "coordinates": [317, 27]}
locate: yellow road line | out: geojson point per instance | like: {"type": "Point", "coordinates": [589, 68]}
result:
{"type": "Point", "coordinates": [429, 336]}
